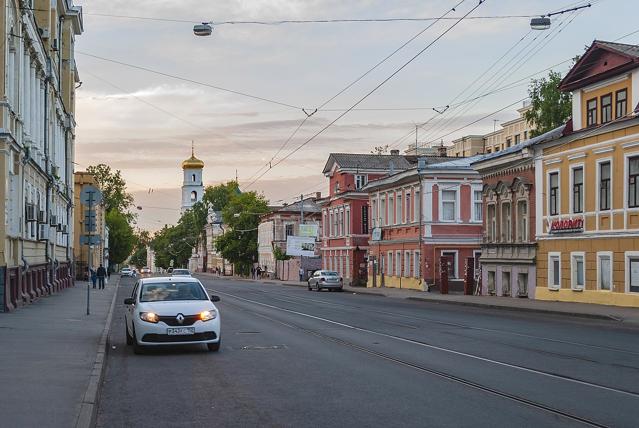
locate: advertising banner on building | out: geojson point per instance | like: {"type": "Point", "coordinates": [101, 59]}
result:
{"type": "Point", "coordinates": [300, 246]}
{"type": "Point", "coordinates": [309, 230]}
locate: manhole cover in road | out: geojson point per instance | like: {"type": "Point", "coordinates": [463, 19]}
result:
{"type": "Point", "coordinates": [262, 348]}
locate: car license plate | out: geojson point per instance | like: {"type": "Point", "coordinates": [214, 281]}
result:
{"type": "Point", "coordinates": [180, 331]}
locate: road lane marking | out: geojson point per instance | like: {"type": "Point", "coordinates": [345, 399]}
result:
{"type": "Point", "coordinates": [446, 350]}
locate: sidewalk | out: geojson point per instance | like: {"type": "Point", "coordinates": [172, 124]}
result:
{"type": "Point", "coordinates": [629, 316]}
{"type": "Point", "coordinates": [48, 357]}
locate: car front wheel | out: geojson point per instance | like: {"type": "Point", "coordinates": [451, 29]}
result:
{"type": "Point", "coordinates": [317, 287]}
{"type": "Point", "coordinates": [309, 286]}
{"type": "Point", "coordinates": [129, 338]}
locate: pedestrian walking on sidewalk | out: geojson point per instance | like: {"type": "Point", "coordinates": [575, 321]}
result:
{"type": "Point", "coordinates": [101, 276]}
{"type": "Point", "coordinates": [258, 273]}
{"type": "Point", "coordinates": [94, 277]}
{"type": "Point", "coordinates": [301, 274]}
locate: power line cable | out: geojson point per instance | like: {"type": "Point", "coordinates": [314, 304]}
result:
{"type": "Point", "coordinates": [185, 79]}
{"type": "Point", "coordinates": [373, 90]}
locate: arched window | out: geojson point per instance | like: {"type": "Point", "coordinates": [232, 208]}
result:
{"type": "Point", "coordinates": [193, 196]}
{"type": "Point", "coordinates": [193, 178]}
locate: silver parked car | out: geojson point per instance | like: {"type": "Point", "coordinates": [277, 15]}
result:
{"type": "Point", "coordinates": [325, 279]}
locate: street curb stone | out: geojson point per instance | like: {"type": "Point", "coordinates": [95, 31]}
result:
{"type": "Point", "coordinates": [89, 408]}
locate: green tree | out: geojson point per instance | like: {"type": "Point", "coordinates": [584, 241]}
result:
{"type": "Point", "coordinates": [113, 187]}
{"type": "Point", "coordinates": [138, 259]}
{"type": "Point", "coordinates": [279, 254]}
{"type": "Point", "coordinates": [239, 243]}
{"type": "Point", "coordinates": [121, 237]}
{"type": "Point", "coordinates": [550, 107]}
{"type": "Point", "coordinates": [217, 197]}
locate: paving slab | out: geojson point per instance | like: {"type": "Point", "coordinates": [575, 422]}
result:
{"type": "Point", "coordinates": [47, 356]}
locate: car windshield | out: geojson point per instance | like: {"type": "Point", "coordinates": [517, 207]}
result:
{"type": "Point", "coordinates": [330, 274]}
{"type": "Point", "coordinates": [181, 272]}
{"type": "Point", "coordinates": [170, 291]}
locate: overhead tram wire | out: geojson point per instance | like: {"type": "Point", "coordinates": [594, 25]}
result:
{"type": "Point", "coordinates": [351, 84]}
{"type": "Point", "coordinates": [186, 79]}
{"type": "Point", "coordinates": [374, 89]}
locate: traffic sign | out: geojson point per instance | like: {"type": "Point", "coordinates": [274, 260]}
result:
{"type": "Point", "coordinates": [90, 194]}
{"type": "Point", "coordinates": [89, 240]}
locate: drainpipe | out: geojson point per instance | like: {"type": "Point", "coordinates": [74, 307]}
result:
{"type": "Point", "coordinates": [47, 81]}
{"type": "Point", "coordinates": [421, 198]}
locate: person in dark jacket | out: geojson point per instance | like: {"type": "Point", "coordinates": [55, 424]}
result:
{"type": "Point", "coordinates": [101, 276]}
{"type": "Point", "coordinates": [94, 277]}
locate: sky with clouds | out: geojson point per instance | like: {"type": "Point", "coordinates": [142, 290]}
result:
{"type": "Point", "coordinates": [143, 123]}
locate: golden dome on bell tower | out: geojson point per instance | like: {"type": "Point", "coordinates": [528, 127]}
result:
{"type": "Point", "coordinates": [192, 162]}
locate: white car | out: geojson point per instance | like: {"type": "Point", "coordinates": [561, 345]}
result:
{"type": "Point", "coordinates": [180, 272]}
{"type": "Point", "coordinates": [127, 272]}
{"type": "Point", "coordinates": [171, 311]}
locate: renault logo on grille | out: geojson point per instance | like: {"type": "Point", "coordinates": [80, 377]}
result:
{"type": "Point", "coordinates": [180, 318]}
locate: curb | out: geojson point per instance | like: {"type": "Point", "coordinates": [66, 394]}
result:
{"type": "Point", "coordinates": [89, 408]}
{"type": "Point", "coordinates": [517, 309]}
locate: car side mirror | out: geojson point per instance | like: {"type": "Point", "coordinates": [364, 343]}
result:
{"type": "Point", "coordinates": [129, 301]}
{"type": "Point", "coordinates": [215, 298]}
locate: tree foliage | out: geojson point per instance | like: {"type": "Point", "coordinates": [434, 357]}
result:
{"type": "Point", "coordinates": [217, 197]}
{"type": "Point", "coordinates": [550, 107]}
{"type": "Point", "coordinates": [239, 243]}
{"type": "Point", "coordinates": [139, 257]}
{"type": "Point", "coordinates": [121, 237]}
{"type": "Point", "coordinates": [113, 187]}
{"type": "Point", "coordinates": [279, 254]}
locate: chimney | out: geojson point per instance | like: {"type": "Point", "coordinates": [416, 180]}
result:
{"type": "Point", "coordinates": [395, 152]}
{"type": "Point", "coordinates": [318, 195]}
{"type": "Point", "coordinates": [441, 150]}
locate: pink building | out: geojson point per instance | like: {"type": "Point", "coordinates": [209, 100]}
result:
{"type": "Point", "coordinates": [420, 215]}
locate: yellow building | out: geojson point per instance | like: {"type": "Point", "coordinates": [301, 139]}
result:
{"type": "Point", "coordinates": [99, 251]}
{"type": "Point", "coordinates": [588, 186]}
{"type": "Point", "coordinates": [38, 77]}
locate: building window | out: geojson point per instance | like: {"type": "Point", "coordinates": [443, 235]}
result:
{"type": "Point", "coordinates": [505, 222]}
{"type": "Point", "coordinates": [604, 186]}
{"type": "Point", "coordinates": [621, 103]}
{"type": "Point", "coordinates": [374, 213]}
{"type": "Point", "coordinates": [578, 190]}
{"type": "Point", "coordinates": [407, 264]}
{"type": "Point", "coordinates": [347, 226]}
{"type": "Point", "coordinates": [382, 213]}
{"type": "Point", "coordinates": [289, 230]}
{"type": "Point", "coordinates": [398, 216]}
{"type": "Point", "coordinates": [416, 209]}
{"type": "Point", "coordinates": [577, 271]}
{"type": "Point", "coordinates": [632, 272]}
{"type": "Point", "coordinates": [391, 210]}
{"type": "Point", "coordinates": [341, 223]}
{"type": "Point", "coordinates": [477, 205]}
{"type": "Point", "coordinates": [633, 187]}
{"type": "Point", "coordinates": [194, 196]}
{"type": "Point", "coordinates": [398, 263]}
{"type": "Point", "coordinates": [525, 135]}
{"type": "Point", "coordinates": [337, 187]}
{"type": "Point", "coordinates": [360, 181]}
{"type": "Point", "coordinates": [554, 271]}
{"type": "Point", "coordinates": [522, 221]}
{"type": "Point", "coordinates": [522, 284]}
{"type": "Point", "coordinates": [452, 263]}
{"type": "Point", "coordinates": [417, 265]}
{"type": "Point", "coordinates": [492, 223]}
{"type": "Point", "coordinates": [330, 224]}
{"type": "Point", "coordinates": [606, 108]}
{"type": "Point", "coordinates": [517, 138]}
{"type": "Point", "coordinates": [591, 112]}
{"type": "Point", "coordinates": [365, 228]}
{"type": "Point", "coordinates": [604, 271]}
{"type": "Point", "coordinates": [449, 205]}
{"type": "Point", "coordinates": [193, 178]}
{"type": "Point", "coordinates": [389, 265]}
{"type": "Point", "coordinates": [407, 213]}
{"type": "Point", "coordinates": [508, 142]}
{"type": "Point", "coordinates": [554, 193]}
{"type": "Point", "coordinates": [505, 283]}
{"type": "Point", "coordinates": [491, 282]}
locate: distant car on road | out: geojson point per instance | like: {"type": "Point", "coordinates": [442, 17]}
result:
{"type": "Point", "coordinates": [180, 272]}
{"type": "Point", "coordinates": [325, 279]}
{"type": "Point", "coordinates": [127, 272]}
{"type": "Point", "coordinates": [145, 271]}
{"type": "Point", "coordinates": [171, 311]}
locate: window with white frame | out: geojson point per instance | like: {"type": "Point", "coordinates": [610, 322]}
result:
{"type": "Point", "coordinates": [449, 205]}
{"type": "Point", "coordinates": [391, 210]}
{"type": "Point", "coordinates": [577, 271]}
{"type": "Point", "coordinates": [360, 181]}
{"type": "Point", "coordinates": [554, 271]}
{"type": "Point", "coordinates": [382, 213]}
{"type": "Point", "coordinates": [604, 186]}
{"type": "Point", "coordinates": [407, 215]}
{"type": "Point", "coordinates": [398, 263]}
{"type": "Point", "coordinates": [389, 265]}
{"type": "Point", "coordinates": [633, 185]}
{"type": "Point", "coordinates": [553, 193]}
{"type": "Point", "coordinates": [522, 221]}
{"type": "Point", "coordinates": [325, 222]}
{"type": "Point", "coordinates": [632, 271]}
{"type": "Point", "coordinates": [506, 222]}
{"type": "Point", "coordinates": [604, 271]}
{"type": "Point", "coordinates": [492, 222]}
{"type": "Point", "coordinates": [341, 222]}
{"type": "Point", "coordinates": [452, 263]}
{"type": "Point", "coordinates": [374, 213]}
{"type": "Point", "coordinates": [398, 216]}
{"type": "Point", "coordinates": [417, 265]}
{"type": "Point", "coordinates": [416, 212]}
{"type": "Point", "coordinates": [348, 222]}
{"type": "Point", "coordinates": [477, 205]}
{"type": "Point", "coordinates": [407, 264]}
{"type": "Point", "coordinates": [578, 190]}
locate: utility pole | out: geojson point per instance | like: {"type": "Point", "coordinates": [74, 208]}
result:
{"type": "Point", "coordinates": [301, 223]}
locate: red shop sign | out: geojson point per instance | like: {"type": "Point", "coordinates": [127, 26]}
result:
{"type": "Point", "coordinates": [567, 225]}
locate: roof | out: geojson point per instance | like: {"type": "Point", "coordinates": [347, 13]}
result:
{"type": "Point", "coordinates": [368, 161]}
{"type": "Point", "coordinates": [456, 163]}
{"type": "Point", "coordinates": [548, 136]}
{"type": "Point", "coordinates": [602, 60]}
{"type": "Point", "coordinates": [309, 207]}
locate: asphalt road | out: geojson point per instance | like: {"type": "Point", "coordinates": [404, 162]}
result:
{"type": "Point", "coordinates": [291, 357]}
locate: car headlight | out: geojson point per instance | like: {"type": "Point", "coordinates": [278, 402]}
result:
{"type": "Point", "coordinates": [208, 315]}
{"type": "Point", "coordinates": [149, 317]}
